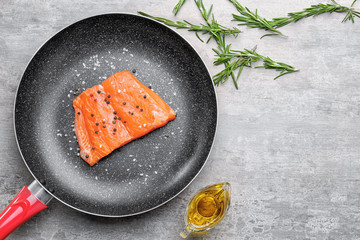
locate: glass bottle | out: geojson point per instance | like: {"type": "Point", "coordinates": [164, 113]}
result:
{"type": "Point", "coordinates": [207, 208]}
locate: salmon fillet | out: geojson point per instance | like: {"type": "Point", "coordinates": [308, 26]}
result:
{"type": "Point", "coordinates": [119, 110]}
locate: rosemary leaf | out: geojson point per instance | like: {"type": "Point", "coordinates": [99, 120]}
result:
{"type": "Point", "coordinates": [179, 5]}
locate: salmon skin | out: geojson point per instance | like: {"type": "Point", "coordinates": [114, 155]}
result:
{"type": "Point", "coordinates": [119, 110]}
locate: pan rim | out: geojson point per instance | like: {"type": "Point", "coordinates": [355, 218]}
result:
{"type": "Point", "coordinates": [105, 215]}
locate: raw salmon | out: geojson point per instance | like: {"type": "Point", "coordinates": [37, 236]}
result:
{"type": "Point", "coordinates": [120, 110]}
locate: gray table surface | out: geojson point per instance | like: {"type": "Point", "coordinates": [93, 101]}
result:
{"type": "Point", "coordinates": [290, 147]}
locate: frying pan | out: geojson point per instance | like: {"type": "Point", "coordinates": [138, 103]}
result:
{"type": "Point", "coordinates": [139, 176]}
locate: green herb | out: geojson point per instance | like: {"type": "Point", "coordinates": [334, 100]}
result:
{"type": "Point", "coordinates": [231, 63]}
{"type": "Point", "coordinates": [178, 6]}
{"type": "Point", "coordinates": [213, 24]}
{"type": "Point", "coordinates": [315, 10]}
{"type": "Point", "coordinates": [236, 60]}
{"type": "Point", "coordinates": [351, 13]}
{"type": "Point", "coordinates": [253, 20]}
{"type": "Point", "coordinates": [222, 47]}
{"type": "Point", "coordinates": [233, 60]}
{"type": "Point", "coordinates": [213, 28]}
{"type": "Point", "coordinates": [278, 66]}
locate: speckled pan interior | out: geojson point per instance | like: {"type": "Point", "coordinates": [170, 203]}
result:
{"type": "Point", "coordinates": [144, 173]}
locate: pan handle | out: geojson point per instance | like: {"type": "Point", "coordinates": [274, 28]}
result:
{"type": "Point", "coordinates": [28, 202]}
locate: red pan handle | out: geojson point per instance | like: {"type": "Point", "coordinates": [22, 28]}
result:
{"type": "Point", "coordinates": [27, 203]}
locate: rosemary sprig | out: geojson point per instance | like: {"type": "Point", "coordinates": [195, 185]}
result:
{"type": "Point", "coordinates": [253, 20]}
{"type": "Point", "coordinates": [315, 10]}
{"type": "Point", "coordinates": [212, 28]}
{"type": "Point", "coordinates": [278, 66]}
{"type": "Point", "coordinates": [236, 60]}
{"type": "Point", "coordinates": [178, 6]}
{"type": "Point", "coordinates": [232, 62]}
{"type": "Point", "coordinates": [222, 47]}
{"type": "Point", "coordinates": [213, 24]}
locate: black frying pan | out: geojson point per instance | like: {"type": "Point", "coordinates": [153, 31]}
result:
{"type": "Point", "coordinates": [143, 174]}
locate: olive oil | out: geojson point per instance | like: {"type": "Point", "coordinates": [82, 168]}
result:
{"type": "Point", "coordinates": [207, 208]}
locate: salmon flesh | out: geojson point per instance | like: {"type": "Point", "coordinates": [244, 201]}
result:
{"type": "Point", "coordinates": [119, 110]}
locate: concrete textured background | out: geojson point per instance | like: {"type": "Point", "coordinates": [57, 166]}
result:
{"type": "Point", "coordinates": [290, 147]}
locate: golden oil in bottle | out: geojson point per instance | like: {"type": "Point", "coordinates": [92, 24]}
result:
{"type": "Point", "coordinates": [207, 208]}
